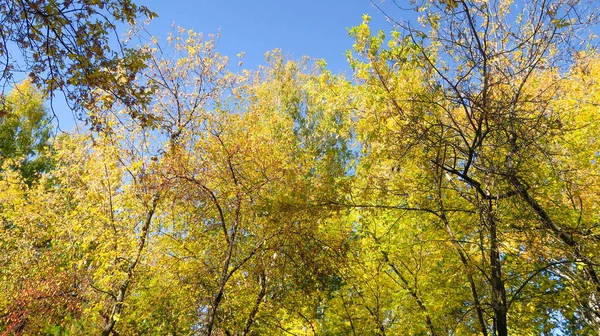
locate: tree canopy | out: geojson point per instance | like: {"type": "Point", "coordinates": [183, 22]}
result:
{"type": "Point", "coordinates": [66, 46]}
{"type": "Point", "coordinates": [449, 186]}
{"type": "Point", "coordinates": [25, 132]}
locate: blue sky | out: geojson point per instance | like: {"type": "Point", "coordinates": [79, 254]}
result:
{"type": "Point", "coordinates": [309, 27]}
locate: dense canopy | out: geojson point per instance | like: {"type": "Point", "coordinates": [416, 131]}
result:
{"type": "Point", "coordinates": [448, 186]}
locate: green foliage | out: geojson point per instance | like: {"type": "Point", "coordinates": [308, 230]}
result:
{"type": "Point", "coordinates": [25, 132]}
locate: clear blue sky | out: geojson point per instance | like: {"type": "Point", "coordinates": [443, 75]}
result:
{"type": "Point", "coordinates": [303, 27]}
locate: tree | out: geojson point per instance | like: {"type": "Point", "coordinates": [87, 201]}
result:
{"type": "Point", "coordinates": [203, 213]}
{"type": "Point", "coordinates": [479, 126]}
{"type": "Point", "coordinates": [25, 132]}
{"type": "Point", "coordinates": [81, 234]}
{"type": "Point", "coordinates": [248, 151]}
{"type": "Point", "coordinates": [64, 45]}
{"type": "Point", "coordinates": [450, 187]}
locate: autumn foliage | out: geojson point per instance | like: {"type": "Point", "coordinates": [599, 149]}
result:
{"type": "Point", "coordinates": [448, 187]}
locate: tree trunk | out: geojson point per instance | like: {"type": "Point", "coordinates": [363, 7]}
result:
{"type": "Point", "coordinates": [499, 302]}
